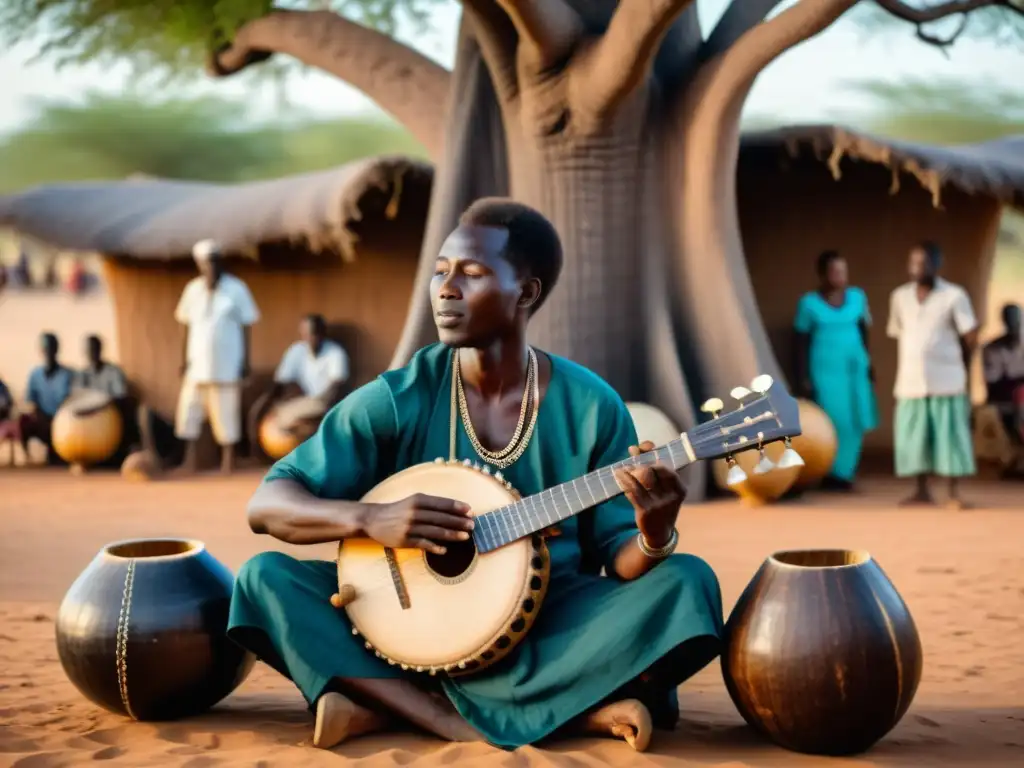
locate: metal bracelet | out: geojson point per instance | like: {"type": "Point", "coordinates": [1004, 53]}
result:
{"type": "Point", "coordinates": [660, 552]}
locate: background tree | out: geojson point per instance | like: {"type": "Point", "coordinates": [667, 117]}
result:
{"type": "Point", "coordinates": [208, 139]}
{"type": "Point", "coordinates": [619, 120]}
{"type": "Point", "coordinates": [105, 137]}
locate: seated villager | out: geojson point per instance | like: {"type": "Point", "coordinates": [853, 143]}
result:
{"type": "Point", "coordinates": [315, 369]}
{"type": "Point", "coordinates": [101, 375]}
{"type": "Point", "coordinates": [999, 424]}
{"type": "Point", "coordinates": [49, 385]}
{"type": "Point", "coordinates": [10, 432]}
{"type": "Point", "coordinates": [606, 653]}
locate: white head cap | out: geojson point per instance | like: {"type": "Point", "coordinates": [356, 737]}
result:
{"type": "Point", "coordinates": [204, 249]}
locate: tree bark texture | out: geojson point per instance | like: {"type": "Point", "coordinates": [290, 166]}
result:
{"type": "Point", "coordinates": [474, 166]}
{"type": "Point", "coordinates": [620, 122]}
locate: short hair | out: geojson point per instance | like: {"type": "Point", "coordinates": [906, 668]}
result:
{"type": "Point", "coordinates": [533, 245]}
{"type": "Point", "coordinates": [825, 259]}
{"type": "Point", "coordinates": [92, 338]}
{"type": "Point", "coordinates": [1009, 309]}
{"type": "Point", "coordinates": [317, 322]}
{"type": "Point", "coordinates": [49, 337]}
{"type": "Point", "coordinates": [932, 252]}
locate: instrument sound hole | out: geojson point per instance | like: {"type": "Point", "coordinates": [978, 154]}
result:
{"type": "Point", "coordinates": [455, 562]}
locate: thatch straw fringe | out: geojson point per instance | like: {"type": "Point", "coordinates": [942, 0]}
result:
{"type": "Point", "coordinates": [994, 168]}
{"type": "Point", "coordinates": [162, 219]}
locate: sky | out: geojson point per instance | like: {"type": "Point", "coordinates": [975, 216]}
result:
{"type": "Point", "coordinates": [808, 83]}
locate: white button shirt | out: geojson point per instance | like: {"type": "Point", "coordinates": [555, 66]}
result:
{"type": "Point", "coordinates": [930, 362]}
{"type": "Point", "coordinates": [313, 374]}
{"type": "Point", "coordinates": [215, 321]}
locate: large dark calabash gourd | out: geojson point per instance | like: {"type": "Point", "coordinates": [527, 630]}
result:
{"type": "Point", "coordinates": [822, 655]}
{"type": "Point", "coordinates": [142, 631]}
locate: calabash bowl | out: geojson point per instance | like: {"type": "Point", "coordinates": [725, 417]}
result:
{"type": "Point", "coordinates": [822, 655]}
{"type": "Point", "coordinates": [142, 630]}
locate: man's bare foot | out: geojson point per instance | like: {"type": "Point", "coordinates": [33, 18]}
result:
{"type": "Point", "coordinates": [338, 719]}
{"type": "Point", "coordinates": [958, 504]}
{"type": "Point", "coordinates": [627, 720]}
{"type": "Point", "coordinates": [918, 500]}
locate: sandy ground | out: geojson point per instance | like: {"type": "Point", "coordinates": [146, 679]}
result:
{"type": "Point", "coordinates": [962, 575]}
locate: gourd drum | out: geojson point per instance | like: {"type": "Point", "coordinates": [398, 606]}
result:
{"type": "Point", "coordinates": [758, 490]}
{"type": "Point", "coordinates": [142, 631]}
{"type": "Point", "coordinates": [88, 428]}
{"type": "Point", "coordinates": [816, 444]}
{"type": "Point", "coordinates": [822, 655]}
{"type": "Point", "coordinates": [287, 425]}
{"type": "Point", "coordinates": [651, 424]}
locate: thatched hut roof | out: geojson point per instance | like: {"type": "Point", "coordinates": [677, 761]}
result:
{"type": "Point", "coordinates": [161, 219]}
{"type": "Point", "coordinates": [994, 169]}
{"type": "Point", "coordinates": [148, 218]}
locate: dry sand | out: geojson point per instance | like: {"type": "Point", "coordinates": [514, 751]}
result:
{"type": "Point", "coordinates": [962, 575]}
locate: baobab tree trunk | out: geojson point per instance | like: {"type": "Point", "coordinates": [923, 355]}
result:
{"type": "Point", "coordinates": [473, 165]}
{"type": "Point", "coordinates": [589, 189]}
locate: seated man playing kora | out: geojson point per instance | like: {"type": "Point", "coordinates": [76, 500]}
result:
{"type": "Point", "coordinates": [606, 653]}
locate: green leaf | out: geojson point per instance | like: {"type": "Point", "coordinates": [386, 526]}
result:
{"type": "Point", "coordinates": [211, 139]}
{"type": "Point", "coordinates": [168, 37]}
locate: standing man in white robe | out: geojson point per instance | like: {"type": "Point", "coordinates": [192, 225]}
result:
{"type": "Point", "coordinates": [218, 311]}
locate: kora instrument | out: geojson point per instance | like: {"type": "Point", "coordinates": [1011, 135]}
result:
{"type": "Point", "coordinates": [461, 612]}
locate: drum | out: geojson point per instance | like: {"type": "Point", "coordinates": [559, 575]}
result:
{"type": "Point", "coordinates": [651, 424]}
{"type": "Point", "coordinates": [817, 444]}
{"type": "Point", "coordinates": [758, 489]}
{"type": "Point", "coordinates": [88, 428]}
{"type": "Point", "coordinates": [290, 423]}
{"type": "Point", "coordinates": [140, 467]}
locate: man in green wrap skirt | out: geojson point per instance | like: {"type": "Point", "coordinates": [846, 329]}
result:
{"type": "Point", "coordinates": [606, 652]}
{"type": "Point", "coordinates": [934, 324]}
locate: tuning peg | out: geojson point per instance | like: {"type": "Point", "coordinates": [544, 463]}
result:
{"type": "Point", "coordinates": [713, 406]}
{"type": "Point", "coordinates": [790, 458]}
{"type": "Point", "coordinates": [762, 383]}
{"type": "Point", "coordinates": [739, 393]}
{"type": "Point", "coordinates": [764, 464]}
{"type": "Point", "coordinates": [736, 475]}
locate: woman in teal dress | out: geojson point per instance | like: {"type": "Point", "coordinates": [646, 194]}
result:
{"type": "Point", "coordinates": [835, 368]}
{"type": "Point", "coordinates": [630, 636]}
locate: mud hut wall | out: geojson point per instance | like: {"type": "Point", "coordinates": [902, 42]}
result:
{"type": "Point", "coordinates": [367, 298]}
{"type": "Point", "coordinates": [792, 209]}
